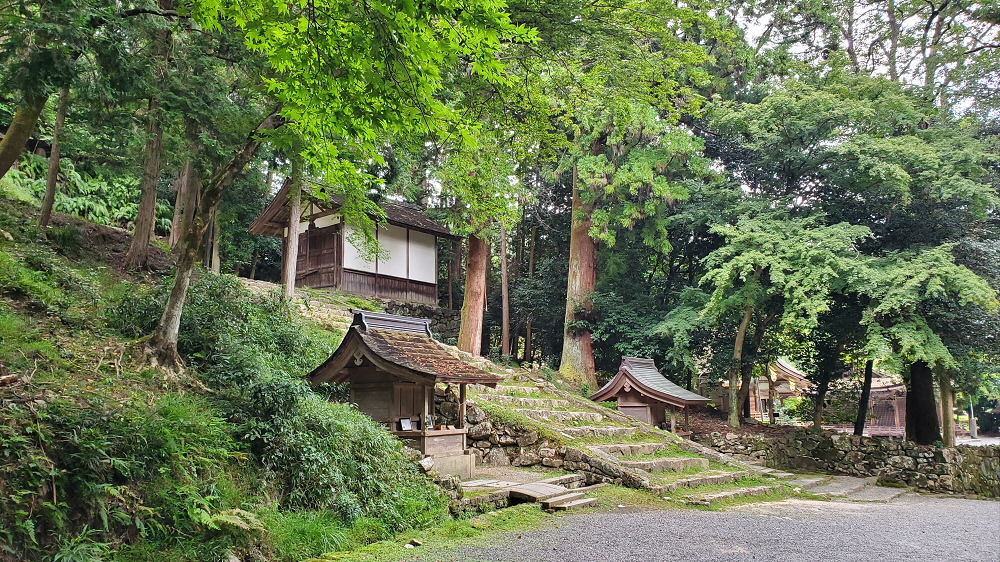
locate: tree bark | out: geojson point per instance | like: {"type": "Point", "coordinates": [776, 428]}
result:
{"type": "Point", "coordinates": [21, 126]}
{"type": "Point", "coordinates": [51, 182]}
{"type": "Point", "coordinates": [161, 348]}
{"type": "Point", "coordinates": [921, 411]}
{"type": "Point", "coordinates": [291, 257]}
{"type": "Point", "coordinates": [528, 336]}
{"type": "Point", "coordinates": [471, 331]}
{"type": "Point", "coordinates": [736, 370]}
{"type": "Point", "coordinates": [182, 184]}
{"type": "Point", "coordinates": [577, 362]}
{"type": "Point", "coordinates": [504, 295]}
{"type": "Point", "coordinates": [866, 394]}
{"type": "Point", "coordinates": [947, 410]}
{"type": "Point", "coordinates": [973, 424]}
{"type": "Point", "coordinates": [215, 259]}
{"type": "Point", "coordinates": [820, 401]}
{"type": "Point", "coordinates": [145, 221]}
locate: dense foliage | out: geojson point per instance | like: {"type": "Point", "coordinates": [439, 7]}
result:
{"type": "Point", "coordinates": [250, 461]}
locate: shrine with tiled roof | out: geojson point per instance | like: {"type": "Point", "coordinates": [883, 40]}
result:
{"type": "Point", "coordinates": [392, 364]}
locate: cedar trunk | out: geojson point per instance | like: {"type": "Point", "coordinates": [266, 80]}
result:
{"type": "Point", "coordinates": [866, 394]}
{"type": "Point", "coordinates": [471, 332]}
{"type": "Point", "coordinates": [577, 361]}
{"type": "Point", "coordinates": [504, 296]}
{"type": "Point", "coordinates": [291, 257]}
{"type": "Point", "coordinates": [51, 181]}
{"type": "Point", "coordinates": [921, 411]}
{"type": "Point", "coordinates": [145, 221]}
{"type": "Point", "coordinates": [21, 126]}
{"type": "Point", "coordinates": [947, 411]}
{"type": "Point", "coordinates": [161, 347]}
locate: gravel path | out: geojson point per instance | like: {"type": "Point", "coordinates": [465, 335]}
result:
{"type": "Point", "coordinates": [909, 528]}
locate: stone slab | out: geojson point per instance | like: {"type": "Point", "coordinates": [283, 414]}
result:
{"type": "Point", "coordinates": [582, 502]}
{"type": "Point", "coordinates": [841, 485]}
{"type": "Point", "coordinates": [562, 498]}
{"type": "Point", "coordinates": [536, 491]}
{"type": "Point", "coordinates": [876, 494]}
{"type": "Point", "coordinates": [708, 499]}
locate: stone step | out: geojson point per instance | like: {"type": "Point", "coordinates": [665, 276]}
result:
{"type": "Point", "coordinates": [876, 494]}
{"type": "Point", "coordinates": [541, 403]}
{"type": "Point", "coordinates": [564, 498]}
{"type": "Point", "coordinates": [807, 481]}
{"type": "Point", "coordinates": [632, 449]}
{"type": "Point", "coordinates": [560, 415]}
{"type": "Point", "coordinates": [709, 499]}
{"type": "Point", "coordinates": [668, 464]}
{"type": "Point", "coordinates": [841, 485]}
{"type": "Point", "coordinates": [505, 388]}
{"type": "Point", "coordinates": [589, 431]}
{"type": "Point", "coordinates": [781, 474]}
{"type": "Point", "coordinates": [592, 487]}
{"type": "Point", "coordinates": [537, 491]}
{"type": "Point", "coordinates": [575, 504]}
{"type": "Point", "coordinates": [708, 480]}
{"type": "Point", "coordinates": [565, 479]}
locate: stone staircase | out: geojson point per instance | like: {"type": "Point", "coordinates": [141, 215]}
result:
{"type": "Point", "coordinates": [559, 493]}
{"type": "Point", "coordinates": [643, 456]}
{"type": "Point", "coordinates": [836, 487]}
{"type": "Point", "coordinates": [573, 417]}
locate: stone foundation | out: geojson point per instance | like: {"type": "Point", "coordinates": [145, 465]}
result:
{"type": "Point", "coordinates": [963, 469]}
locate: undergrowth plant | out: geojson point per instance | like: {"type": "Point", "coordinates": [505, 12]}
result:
{"type": "Point", "coordinates": [96, 465]}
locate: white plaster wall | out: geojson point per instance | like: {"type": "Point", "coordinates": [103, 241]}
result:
{"type": "Point", "coordinates": [392, 243]}
{"type": "Point", "coordinates": [352, 256]}
{"type": "Point", "coordinates": [328, 220]}
{"type": "Point", "coordinates": [423, 257]}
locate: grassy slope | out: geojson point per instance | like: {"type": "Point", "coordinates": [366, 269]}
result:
{"type": "Point", "coordinates": [104, 458]}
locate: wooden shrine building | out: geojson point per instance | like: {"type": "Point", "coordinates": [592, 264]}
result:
{"type": "Point", "coordinates": [392, 365]}
{"type": "Point", "coordinates": [645, 394]}
{"type": "Point", "coordinates": [406, 268]}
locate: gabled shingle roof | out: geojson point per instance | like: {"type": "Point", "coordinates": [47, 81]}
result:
{"type": "Point", "coordinates": [642, 374]}
{"type": "Point", "coordinates": [274, 218]}
{"type": "Point", "coordinates": [402, 346]}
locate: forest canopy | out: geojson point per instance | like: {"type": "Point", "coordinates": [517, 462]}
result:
{"type": "Point", "coordinates": [710, 185]}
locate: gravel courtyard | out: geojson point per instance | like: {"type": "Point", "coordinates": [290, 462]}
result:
{"type": "Point", "coordinates": [909, 528]}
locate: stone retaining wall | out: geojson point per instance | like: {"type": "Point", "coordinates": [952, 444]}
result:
{"type": "Point", "coordinates": [445, 322]}
{"type": "Point", "coordinates": [963, 469]}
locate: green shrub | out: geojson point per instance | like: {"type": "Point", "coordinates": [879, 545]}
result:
{"type": "Point", "coordinates": [254, 353]}
{"type": "Point", "coordinates": [92, 471]}
{"type": "Point", "coordinates": [35, 286]}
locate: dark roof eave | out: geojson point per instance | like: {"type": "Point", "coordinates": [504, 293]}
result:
{"type": "Point", "coordinates": [606, 393]}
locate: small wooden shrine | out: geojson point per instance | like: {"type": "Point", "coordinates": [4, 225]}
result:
{"type": "Point", "coordinates": [392, 364]}
{"type": "Point", "coordinates": [645, 394]}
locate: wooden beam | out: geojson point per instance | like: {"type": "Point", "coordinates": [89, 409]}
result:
{"type": "Point", "coordinates": [461, 405]}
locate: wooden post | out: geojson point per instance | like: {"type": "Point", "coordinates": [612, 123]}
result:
{"type": "Point", "coordinates": [687, 421]}
{"type": "Point", "coordinates": [424, 410]}
{"type": "Point", "coordinates": [461, 406]}
{"type": "Point", "coordinates": [673, 419]}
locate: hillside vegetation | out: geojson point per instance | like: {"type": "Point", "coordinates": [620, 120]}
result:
{"type": "Point", "coordinates": [105, 458]}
